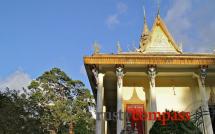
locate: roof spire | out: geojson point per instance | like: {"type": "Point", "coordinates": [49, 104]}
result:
{"type": "Point", "coordinates": [158, 13]}
{"type": "Point", "coordinates": [146, 29]}
{"type": "Point", "coordinates": [145, 37]}
{"type": "Point", "coordinates": [119, 49]}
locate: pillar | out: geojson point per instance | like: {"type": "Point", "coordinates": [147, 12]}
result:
{"type": "Point", "coordinates": [201, 82]}
{"type": "Point", "coordinates": [152, 93]}
{"type": "Point", "coordinates": [99, 102]}
{"type": "Point", "coordinates": [105, 121]}
{"type": "Point", "coordinates": [119, 74]}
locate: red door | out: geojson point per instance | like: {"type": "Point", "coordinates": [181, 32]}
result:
{"type": "Point", "coordinates": [136, 109]}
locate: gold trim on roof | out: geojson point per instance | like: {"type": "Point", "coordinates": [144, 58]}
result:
{"type": "Point", "coordinates": [151, 59]}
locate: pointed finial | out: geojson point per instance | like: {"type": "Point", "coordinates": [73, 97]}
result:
{"type": "Point", "coordinates": [181, 46]}
{"type": "Point", "coordinates": [145, 36]}
{"type": "Point", "coordinates": [158, 13]}
{"type": "Point", "coordinates": [146, 29]}
{"type": "Point", "coordinates": [144, 11]}
{"type": "Point", "coordinates": [119, 49]}
{"type": "Point", "coordinates": [96, 47]}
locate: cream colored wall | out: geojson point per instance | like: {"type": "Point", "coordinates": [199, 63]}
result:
{"type": "Point", "coordinates": [187, 94]}
{"type": "Point", "coordinates": [128, 92]}
{"type": "Point", "coordinates": [133, 95]}
{"type": "Point", "coordinates": [187, 98]}
{"type": "Point", "coordinates": [178, 102]}
{"type": "Point", "coordinates": [208, 91]}
{"type": "Point", "coordinates": [142, 83]}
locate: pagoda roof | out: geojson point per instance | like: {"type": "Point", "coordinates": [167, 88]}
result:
{"type": "Point", "coordinates": [159, 39]}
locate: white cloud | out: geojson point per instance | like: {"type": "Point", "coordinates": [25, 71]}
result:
{"type": "Point", "coordinates": [114, 19]}
{"type": "Point", "coordinates": [122, 8]}
{"type": "Point", "coordinates": [178, 21]}
{"type": "Point", "coordinates": [192, 22]}
{"type": "Point", "coordinates": [177, 15]}
{"type": "Point", "coordinates": [17, 81]}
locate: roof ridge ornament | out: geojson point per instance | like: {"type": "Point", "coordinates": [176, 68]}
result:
{"type": "Point", "coordinates": [158, 4]}
{"type": "Point", "coordinates": [96, 47]}
{"type": "Point", "coordinates": [145, 36]}
{"type": "Point", "coordinates": [146, 29]}
{"type": "Point", "coordinates": [119, 49]}
{"type": "Point", "coordinates": [160, 39]}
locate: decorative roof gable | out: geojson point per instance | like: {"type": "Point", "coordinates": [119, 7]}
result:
{"type": "Point", "coordinates": [160, 40]}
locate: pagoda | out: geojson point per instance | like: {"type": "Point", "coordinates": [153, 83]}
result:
{"type": "Point", "coordinates": [155, 77]}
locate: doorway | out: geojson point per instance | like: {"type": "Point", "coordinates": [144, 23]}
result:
{"type": "Point", "coordinates": [137, 124]}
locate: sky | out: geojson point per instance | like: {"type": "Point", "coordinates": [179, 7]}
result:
{"type": "Point", "coordinates": [37, 35]}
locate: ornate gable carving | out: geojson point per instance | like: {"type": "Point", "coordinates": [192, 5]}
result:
{"type": "Point", "coordinates": [159, 40]}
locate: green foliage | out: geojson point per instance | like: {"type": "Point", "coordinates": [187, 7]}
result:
{"type": "Point", "coordinates": [15, 115]}
{"type": "Point", "coordinates": [61, 100]}
{"type": "Point", "coordinates": [174, 127]}
{"type": "Point", "coordinates": [84, 126]}
{"type": "Point", "coordinates": [51, 103]}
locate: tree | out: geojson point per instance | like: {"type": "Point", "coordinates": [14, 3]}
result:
{"type": "Point", "coordinates": [53, 103]}
{"type": "Point", "coordinates": [174, 127]}
{"type": "Point", "coordinates": [59, 101]}
{"type": "Point", "coordinates": [15, 115]}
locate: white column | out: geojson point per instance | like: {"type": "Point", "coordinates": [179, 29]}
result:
{"type": "Point", "coordinates": [201, 82]}
{"type": "Point", "coordinates": [152, 75]}
{"type": "Point", "coordinates": [105, 121]}
{"type": "Point", "coordinates": [152, 93]}
{"type": "Point", "coordinates": [119, 74]}
{"type": "Point", "coordinates": [99, 102]}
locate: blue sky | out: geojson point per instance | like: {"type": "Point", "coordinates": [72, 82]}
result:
{"type": "Point", "coordinates": [36, 35]}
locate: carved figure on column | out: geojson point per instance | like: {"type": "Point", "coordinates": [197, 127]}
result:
{"type": "Point", "coordinates": [203, 73]}
{"type": "Point", "coordinates": [119, 74]}
{"type": "Point", "coordinates": [96, 75]}
{"type": "Point", "coordinates": [152, 74]}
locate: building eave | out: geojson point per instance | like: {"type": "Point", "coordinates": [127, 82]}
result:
{"type": "Point", "coordinates": [174, 59]}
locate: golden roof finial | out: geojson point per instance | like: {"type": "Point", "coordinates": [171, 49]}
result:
{"type": "Point", "coordinates": [144, 12]}
{"type": "Point", "coordinates": [145, 36]}
{"type": "Point", "coordinates": [146, 29]}
{"type": "Point", "coordinates": [119, 49]}
{"type": "Point", "coordinates": [158, 13]}
{"type": "Point", "coordinates": [96, 47]}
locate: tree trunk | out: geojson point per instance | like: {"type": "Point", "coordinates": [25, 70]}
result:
{"type": "Point", "coordinates": [71, 128]}
{"type": "Point", "coordinates": [52, 132]}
